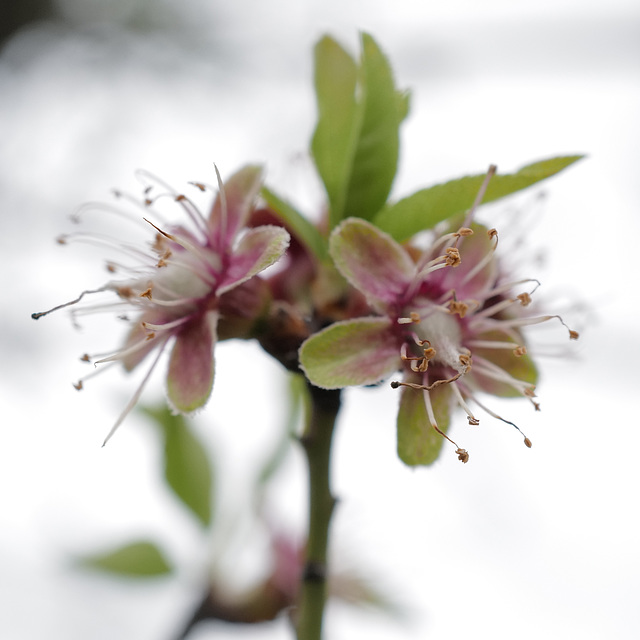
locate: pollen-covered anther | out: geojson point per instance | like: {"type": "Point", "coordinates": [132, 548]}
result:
{"type": "Point", "coordinates": [111, 268]}
{"type": "Point", "coordinates": [520, 351]}
{"type": "Point", "coordinates": [492, 233]}
{"type": "Point", "coordinates": [463, 455]}
{"type": "Point", "coordinates": [528, 442]}
{"type": "Point", "coordinates": [474, 422]}
{"type": "Point", "coordinates": [459, 308]}
{"type": "Point", "coordinates": [85, 357]}
{"type": "Point", "coordinates": [530, 392]}
{"type": "Point", "coordinates": [573, 335]}
{"type": "Point", "coordinates": [452, 259]}
{"type": "Point", "coordinates": [525, 299]}
{"type": "Point", "coordinates": [125, 292]}
{"type": "Point", "coordinates": [78, 385]}
{"type": "Point", "coordinates": [463, 232]}
{"type": "Point", "coordinates": [146, 294]}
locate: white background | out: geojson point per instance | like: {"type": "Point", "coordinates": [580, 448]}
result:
{"type": "Point", "coordinates": [517, 543]}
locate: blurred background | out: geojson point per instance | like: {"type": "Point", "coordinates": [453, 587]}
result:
{"type": "Point", "coordinates": [517, 543]}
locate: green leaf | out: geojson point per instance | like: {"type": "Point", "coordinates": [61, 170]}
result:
{"type": "Point", "coordinates": [298, 398]}
{"type": "Point", "coordinates": [187, 468]}
{"type": "Point", "coordinates": [297, 224]}
{"type": "Point", "coordinates": [427, 207]}
{"type": "Point", "coordinates": [140, 559]}
{"type": "Point", "coordinates": [418, 442]}
{"type": "Point", "coordinates": [356, 143]}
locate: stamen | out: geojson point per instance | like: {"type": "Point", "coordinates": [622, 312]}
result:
{"type": "Point", "coordinates": [472, 419]}
{"type": "Point", "coordinates": [136, 396]}
{"type": "Point", "coordinates": [527, 442]}
{"type": "Point", "coordinates": [481, 264]}
{"type": "Point", "coordinates": [463, 456]}
{"type": "Point", "coordinates": [480, 195]}
{"type": "Point", "coordinates": [198, 252]}
{"type": "Point", "coordinates": [40, 314]}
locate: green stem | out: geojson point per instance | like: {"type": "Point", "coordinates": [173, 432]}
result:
{"type": "Point", "coordinates": [316, 441]}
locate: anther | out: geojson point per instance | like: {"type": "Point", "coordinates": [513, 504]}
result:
{"type": "Point", "coordinates": [474, 422]}
{"type": "Point", "coordinates": [85, 358]}
{"type": "Point", "coordinates": [146, 294]}
{"type": "Point", "coordinates": [525, 299]}
{"type": "Point", "coordinates": [78, 385]}
{"type": "Point", "coordinates": [452, 258]}
{"type": "Point", "coordinates": [573, 335]}
{"type": "Point", "coordinates": [492, 233]}
{"type": "Point", "coordinates": [463, 455]}
{"type": "Point", "coordinates": [527, 442]}
{"type": "Point", "coordinates": [464, 232]}
{"type": "Point", "coordinates": [520, 351]}
{"type": "Point", "coordinates": [457, 307]}
{"type": "Point", "coordinates": [61, 239]}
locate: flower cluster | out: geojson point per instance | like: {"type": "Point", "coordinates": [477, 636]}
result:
{"type": "Point", "coordinates": [446, 317]}
{"type": "Point", "coordinates": [197, 280]}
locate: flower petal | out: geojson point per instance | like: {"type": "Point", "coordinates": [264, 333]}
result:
{"type": "Point", "coordinates": [230, 213]}
{"type": "Point", "coordinates": [371, 260]}
{"type": "Point", "coordinates": [418, 442]}
{"type": "Point", "coordinates": [191, 367]}
{"type": "Point", "coordinates": [258, 249]}
{"type": "Point", "coordinates": [352, 352]}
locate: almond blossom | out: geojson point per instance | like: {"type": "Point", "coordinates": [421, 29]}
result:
{"type": "Point", "coordinates": [446, 317]}
{"type": "Point", "coordinates": [196, 279]}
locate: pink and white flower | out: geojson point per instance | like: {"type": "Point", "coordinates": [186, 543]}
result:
{"type": "Point", "coordinates": [183, 287]}
{"type": "Point", "coordinates": [446, 317]}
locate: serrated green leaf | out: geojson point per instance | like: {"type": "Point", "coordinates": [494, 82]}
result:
{"type": "Point", "coordinates": [187, 469]}
{"type": "Point", "coordinates": [141, 559]}
{"type": "Point", "coordinates": [356, 143]}
{"type": "Point", "coordinates": [418, 442]}
{"type": "Point", "coordinates": [297, 224]}
{"type": "Point", "coordinates": [427, 207]}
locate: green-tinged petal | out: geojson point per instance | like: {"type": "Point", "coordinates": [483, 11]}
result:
{"type": "Point", "coordinates": [418, 442]}
{"type": "Point", "coordinates": [140, 559]}
{"type": "Point", "coordinates": [187, 469]}
{"type": "Point", "coordinates": [352, 352]}
{"type": "Point", "coordinates": [427, 207]}
{"type": "Point", "coordinates": [230, 213]}
{"type": "Point", "coordinates": [371, 260]}
{"type": "Point", "coordinates": [258, 249]}
{"type": "Point", "coordinates": [191, 367]}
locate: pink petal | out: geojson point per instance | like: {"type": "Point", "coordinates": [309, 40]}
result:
{"type": "Point", "coordinates": [371, 260]}
{"type": "Point", "coordinates": [258, 249]}
{"type": "Point", "coordinates": [352, 352]}
{"type": "Point", "coordinates": [191, 367]}
{"type": "Point", "coordinates": [230, 214]}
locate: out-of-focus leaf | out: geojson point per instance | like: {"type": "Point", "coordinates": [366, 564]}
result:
{"type": "Point", "coordinates": [356, 143]}
{"type": "Point", "coordinates": [427, 207]}
{"type": "Point", "coordinates": [187, 468]}
{"type": "Point", "coordinates": [297, 224]}
{"type": "Point", "coordinates": [298, 398]}
{"type": "Point", "coordinates": [141, 559]}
